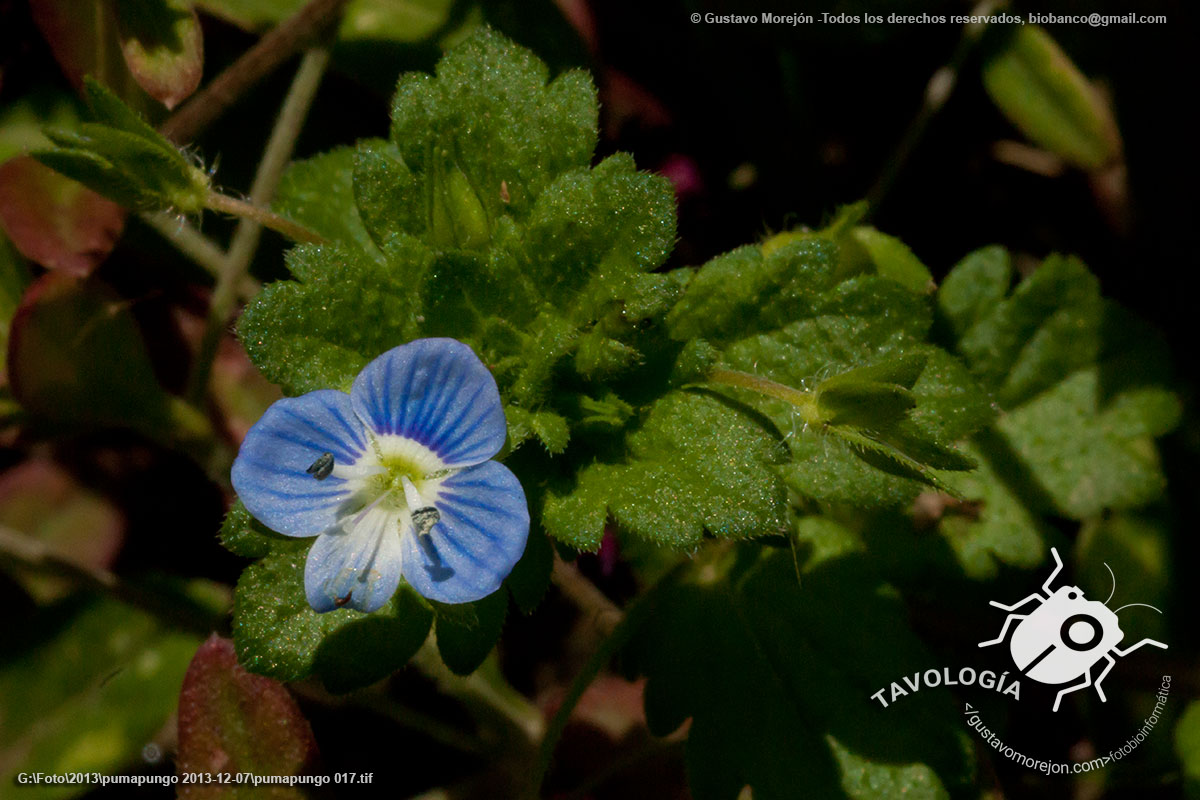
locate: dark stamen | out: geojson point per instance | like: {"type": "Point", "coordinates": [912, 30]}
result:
{"type": "Point", "coordinates": [321, 468]}
{"type": "Point", "coordinates": [425, 518]}
{"type": "Point", "coordinates": [341, 601]}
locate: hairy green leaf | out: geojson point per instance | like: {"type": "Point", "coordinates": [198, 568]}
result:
{"type": "Point", "coordinates": [279, 635]}
{"type": "Point", "coordinates": [697, 464]}
{"type": "Point", "coordinates": [779, 690]}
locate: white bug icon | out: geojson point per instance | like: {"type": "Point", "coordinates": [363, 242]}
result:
{"type": "Point", "coordinates": [1065, 636]}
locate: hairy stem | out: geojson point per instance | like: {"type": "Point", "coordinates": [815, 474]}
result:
{"type": "Point", "coordinates": [254, 214]}
{"type": "Point", "coordinates": [261, 217]}
{"type": "Point", "coordinates": [806, 402]}
{"type": "Point", "coordinates": [281, 43]}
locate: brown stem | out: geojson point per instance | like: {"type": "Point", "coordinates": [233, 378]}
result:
{"type": "Point", "coordinates": [602, 613]}
{"type": "Point", "coordinates": [255, 213]}
{"type": "Point", "coordinates": [277, 46]}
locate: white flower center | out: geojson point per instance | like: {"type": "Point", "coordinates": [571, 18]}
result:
{"type": "Point", "coordinates": [398, 476]}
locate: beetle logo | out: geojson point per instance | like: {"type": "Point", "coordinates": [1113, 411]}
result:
{"type": "Point", "coordinates": [1065, 635]}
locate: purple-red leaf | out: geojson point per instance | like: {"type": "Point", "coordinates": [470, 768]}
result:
{"type": "Point", "coordinates": [81, 37]}
{"type": "Point", "coordinates": [54, 220]}
{"type": "Point", "coordinates": [163, 47]}
{"type": "Point", "coordinates": [41, 500]}
{"type": "Point", "coordinates": [232, 721]}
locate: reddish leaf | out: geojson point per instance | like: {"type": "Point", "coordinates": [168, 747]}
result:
{"type": "Point", "coordinates": [232, 721]}
{"type": "Point", "coordinates": [40, 499]}
{"type": "Point", "coordinates": [55, 221]}
{"type": "Point", "coordinates": [163, 47]}
{"type": "Point", "coordinates": [76, 357]}
{"type": "Point", "coordinates": [74, 31]}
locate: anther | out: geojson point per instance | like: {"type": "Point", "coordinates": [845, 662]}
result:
{"type": "Point", "coordinates": [425, 518]}
{"type": "Point", "coordinates": [321, 468]}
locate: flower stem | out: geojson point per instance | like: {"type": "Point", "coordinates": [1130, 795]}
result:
{"type": "Point", "coordinates": [281, 43]}
{"type": "Point", "coordinates": [626, 623]}
{"type": "Point", "coordinates": [486, 692]}
{"type": "Point", "coordinates": [245, 238]}
{"type": "Point", "coordinates": [806, 402]}
{"type": "Point", "coordinates": [602, 613]}
{"type": "Point", "coordinates": [197, 247]}
{"type": "Point", "coordinates": [262, 217]}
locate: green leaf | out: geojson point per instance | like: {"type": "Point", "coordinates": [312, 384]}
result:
{"type": "Point", "coordinates": [778, 689]}
{"type": "Point", "coordinates": [1084, 385]}
{"type": "Point", "coordinates": [491, 114]}
{"type": "Point", "coordinates": [1187, 747]}
{"type": "Point", "coordinates": [698, 463]}
{"type": "Point", "coordinates": [390, 198]}
{"type": "Point", "coordinates": [1088, 457]}
{"type": "Point", "coordinates": [549, 428]}
{"type": "Point", "coordinates": [163, 47]}
{"type": "Point", "coordinates": [993, 523]}
{"type": "Point", "coordinates": [122, 157]}
{"type": "Point", "coordinates": [88, 694]}
{"type": "Point", "coordinates": [1048, 327]}
{"type": "Point", "coordinates": [530, 578]}
{"type": "Point", "coordinates": [610, 219]}
{"type": "Point", "coordinates": [1035, 84]}
{"type": "Point", "coordinates": [742, 291]}
{"type": "Point", "coordinates": [972, 289]}
{"type": "Point", "coordinates": [874, 441]}
{"type": "Point", "coordinates": [892, 258]}
{"type": "Point", "coordinates": [243, 535]}
{"type": "Point", "coordinates": [320, 331]}
{"type": "Point", "coordinates": [232, 721]}
{"type": "Point", "coordinates": [279, 635]}
{"type": "Point", "coordinates": [319, 193]}
{"type": "Point", "coordinates": [467, 632]}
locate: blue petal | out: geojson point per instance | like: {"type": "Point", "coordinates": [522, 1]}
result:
{"type": "Point", "coordinates": [438, 393]}
{"type": "Point", "coordinates": [479, 538]}
{"type": "Point", "coordinates": [269, 472]}
{"type": "Point", "coordinates": [357, 568]}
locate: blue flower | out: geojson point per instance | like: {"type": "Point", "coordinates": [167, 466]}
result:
{"type": "Point", "coordinates": [393, 479]}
